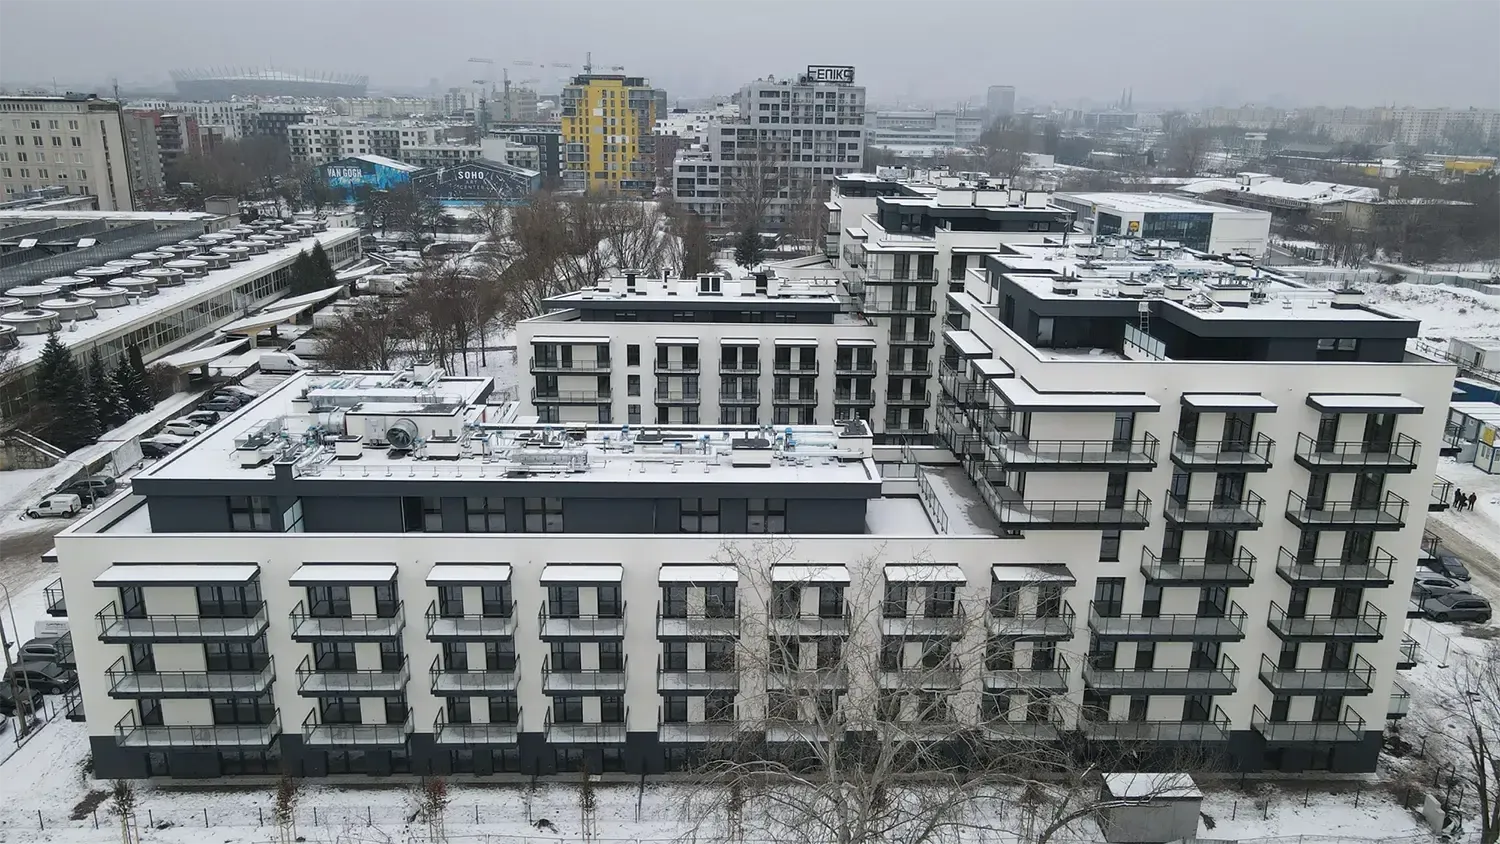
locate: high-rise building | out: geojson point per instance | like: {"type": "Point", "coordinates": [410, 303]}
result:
{"type": "Point", "coordinates": [790, 138]}
{"type": "Point", "coordinates": [148, 176]}
{"type": "Point", "coordinates": [607, 129]}
{"type": "Point", "coordinates": [1000, 101]}
{"type": "Point", "coordinates": [72, 141]}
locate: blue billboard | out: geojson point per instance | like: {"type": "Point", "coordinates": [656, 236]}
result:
{"type": "Point", "coordinates": [350, 174]}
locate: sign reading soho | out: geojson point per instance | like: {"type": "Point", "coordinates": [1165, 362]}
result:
{"type": "Point", "coordinates": [831, 73]}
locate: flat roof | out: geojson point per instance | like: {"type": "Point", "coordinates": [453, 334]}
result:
{"type": "Point", "coordinates": [810, 573]}
{"type": "Point", "coordinates": [198, 357]}
{"type": "Point", "coordinates": [807, 286]}
{"type": "Point", "coordinates": [254, 323]}
{"type": "Point", "coordinates": [461, 573]}
{"type": "Point", "coordinates": [124, 574]}
{"type": "Point", "coordinates": [1130, 203]}
{"type": "Point", "coordinates": [925, 574]}
{"type": "Point", "coordinates": [1141, 786]}
{"type": "Point", "coordinates": [967, 343]}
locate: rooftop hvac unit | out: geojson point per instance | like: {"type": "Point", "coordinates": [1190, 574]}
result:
{"type": "Point", "coordinates": [71, 308]}
{"type": "Point", "coordinates": [443, 448]}
{"type": "Point", "coordinates": [254, 247]}
{"type": "Point", "coordinates": [751, 451]}
{"type": "Point", "coordinates": [235, 254]}
{"type": "Point", "coordinates": [402, 435]}
{"type": "Point", "coordinates": [128, 265]}
{"type": "Point", "coordinates": [31, 321]}
{"type": "Point", "coordinates": [137, 286]}
{"type": "Point", "coordinates": [163, 276]}
{"type": "Point", "coordinates": [9, 303]}
{"type": "Point", "coordinates": [212, 260]}
{"type": "Point", "coordinates": [191, 267]}
{"type": "Point", "coordinates": [31, 295]}
{"type": "Point", "coordinates": [70, 284]}
{"type": "Point", "coordinates": [8, 338]}
{"type": "Point", "coordinates": [348, 447]}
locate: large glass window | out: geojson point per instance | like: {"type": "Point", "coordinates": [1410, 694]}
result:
{"type": "Point", "coordinates": [700, 515]}
{"type": "Point", "coordinates": [766, 515]}
{"type": "Point", "coordinates": [484, 514]}
{"type": "Point", "coordinates": [249, 513]}
{"type": "Point", "coordinates": [1191, 229]}
{"type": "Point", "coordinates": [544, 515]}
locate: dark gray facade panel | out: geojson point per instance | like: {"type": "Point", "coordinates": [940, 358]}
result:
{"type": "Point", "coordinates": [825, 515]}
{"type": "Point", "coordinates": [352, 515]}
{"type": "Point", "coordinates": [173, 514]}
{"type": "Point", "coordinates": [598, 515]}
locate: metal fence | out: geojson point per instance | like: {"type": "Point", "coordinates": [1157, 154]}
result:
{"type": "Point", "coordinates": [107, 249]}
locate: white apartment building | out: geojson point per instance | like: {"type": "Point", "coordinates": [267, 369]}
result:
{"type": "Point", "coordinates": [924, 130]}
{"type": "Point", "coordinates": [811, 129]}
{"type": "Point", "coordinates": [74, 141]}
{"type": "Point", "coordinates": [1426, 127]}
{"type": "Point", "coordinates": [232, 120]}
{"type": "Point", "coordinates": [1176, 515]}
{"type": "Point", "coordinates": [319, 140]}
{"type": "Point", "coordinates": [1195, 223]}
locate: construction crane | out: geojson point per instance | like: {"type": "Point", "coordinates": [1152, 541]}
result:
{"type": "Point", "coordinates": [481, 114]}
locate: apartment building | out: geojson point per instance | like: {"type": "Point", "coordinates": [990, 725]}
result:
{"type": "Point", "coordinates": [798, 134]}
{"type": "Point", "coordinates": [924, 130]}
{"type": "Point", "coordinates": [73, 141]}
{"type": "Point", "coordinates": [606, 132]}
{"type": "Point", "coordinates": [320, 140]}
{"type": "Point", "coordinates": [144, 141]}
{"type": "Point", "coordinates": [578, 594]}
{"type": "Point", "coordinates": [1192, 222]}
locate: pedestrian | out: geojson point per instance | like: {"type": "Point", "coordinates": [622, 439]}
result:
{"type": "Point", "coordinates": [1472, 498]}
{"type": "Point", "coordinates": [1458, 500]}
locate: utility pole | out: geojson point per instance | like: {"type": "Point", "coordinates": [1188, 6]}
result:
{"type": "Point", "coordinates": [23, 721]}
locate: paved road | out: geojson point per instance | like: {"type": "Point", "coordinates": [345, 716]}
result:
{"type": "Point", "coordinates": [1483, 563]}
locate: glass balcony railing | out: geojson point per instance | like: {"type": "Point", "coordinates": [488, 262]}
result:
{"type": "Point", "coordinates": [115, 626]}
{"type": "Point", "coordinates": [498, 623]}
{"type": "Point", "coordinates": [1355, 679]}
{"type": "Point", "coordinates": [1367, 626]}
{"type": "Point", "coordinates": [1238, 570]}
{"type": "Point", "coordinates": [1222, 625]}
{"type": "Point", "coordinates": [318, 734]}
{"type": "Point", "coordinates": [371, 626]}
{"type": "Point", "coordinates": [1335, 571]}
{"type": "Point", "coordinates": [1389, 513]}
{"type": "Point", "coordinates": [1163, 681]}
{"type": "Point", "coordinates": [1349, 728]}
{"type": "Point", "coordinates": [1396, 455]}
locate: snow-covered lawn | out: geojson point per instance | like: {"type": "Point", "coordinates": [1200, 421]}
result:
{"type": "Point", "coordinates": [1356, 811]}
{"type": "Point", "coordinates": [1446, 312]}
{"type": "Point", "coordinates": [14, 482]}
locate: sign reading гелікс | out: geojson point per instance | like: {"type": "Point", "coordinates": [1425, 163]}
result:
{"type": "Point", "coordinates": [836, 74]}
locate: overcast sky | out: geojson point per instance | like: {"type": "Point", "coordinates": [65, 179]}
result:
{"type": "Point", "coordinates": [1229, 52]}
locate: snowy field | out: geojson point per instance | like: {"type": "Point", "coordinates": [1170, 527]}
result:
{"type": "Point", "coordinates": [1446, 312]}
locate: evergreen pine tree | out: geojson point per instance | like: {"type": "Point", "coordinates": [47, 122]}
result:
{"type": "Point", "coordinates": [52, 370]}
{"type": "Point", "coordinates": [77, 422]}
{"type": "Point", "coordinates": [303, 275]}
{"type": "Point", "coordinates": [325, 275]}
{"type": "Point", "coordinates": [749, 250]}
{"type": "Point", "coordinates": [130, 380]}
{"type": "Point", "coordinates": [108, 402]}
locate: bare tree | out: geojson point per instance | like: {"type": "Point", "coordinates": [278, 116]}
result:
{"type": "Point", "coordinates": [432, 799]}
{"type": "Point", "coordinates": [285, 809]}
{"type": "Point", "coordinates": [697, 251]}
{"type": "Point", "coordinates": [443, 311]}
{"type": "Point", "coordinates": [368, 336]}
{"type": "Point", "coordinates": [750, 185]}
{"type": "Point", "coordinates": [1187, 150]}
{"type": "Point", "coordinates": [1463, 734]}
{"type": "Point", "coordinates": [124, 802]}
{"type": "Point", "coordinates": [807, 216]}
{"type": "Point", "coordinates": [861, 717]}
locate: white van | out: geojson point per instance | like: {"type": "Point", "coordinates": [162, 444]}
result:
{"type": "Point", "coordinates": [65, 505]}
{"type": "Point", "coordinates": [307, 347]}
{"type": "Point", "coordinates": [280, 362]}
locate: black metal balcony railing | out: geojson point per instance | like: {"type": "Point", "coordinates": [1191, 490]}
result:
{"type": "Point", "coordinates": [463, 735]}
{"type": "Point", "coordinates": [499, 623]}
{"type": "Point", "coordinates": [1397, 455]}
{"type": "Point", "coordinates": [52, 593]}
{"type": "Point", "coordinates": [1357, 679]}
{"type": "Point", "coordinates": [1336, 571]}
{"type": "Point", "coordinates": [1430, 544]}
{"type": "Point", "coordinates": [115, 626]}
{"type": "Point", "coordinates": [1228, 626]}
{"type": "Point", "coordinates": [909, 370]}
{"type": "Point", "coordinates": [1199, 571]}
{"type": "Point", "coordinates": [807, 680]}
{"type": "Point", "coordinates": [854, 397]}
{"type": "Point", "coordinates": [697, 732]}
{"type": "Point", "coordinates": [471, 681]}
{"type": "Point", "coordinates": [1049, 621]}
{"type": "Point", "coordinates": [1037, 678]}
{"type": "Point", "coordinates": [827, 621]}
{"type": "Point", "coordinates": [856, 369]}
{"type": "Point", "coordinates": [1350, 727]}
{"type": "Point", "coordinates": [668, 367]}
{"type": "Point", "coordinates": [801, 397]}
{"type": "Point", "coordinates": [564, 367]}
{"type": "Point", "coordinates": [1440, 497]}
{"type": "Point", "coordinates": [916, 307]}
{"type": "Point", "coordinates": [910, 338]}
{"type": "Point", "coordinates": [1077, 455]}
{"type": "Point", "coordinates": [740, 397]}
{"type": "Point", "coordinates": [1407, 659]}
{"type": "Point", "coordinates": [1387, 514]}
{"type": "Point", "coordinates": [679, 678]}
{"type": "Point", "coordinates": [318, 734]}
{"type": "Point", "coordinates": [571, 680]}
{"type": "Point", "coordinates": [922, 399]}
{"type": "Point", "coordinates": [1212, 729]}
{"type": "Point", "coordinates": [129, 732]}
{"type": "Point", "coordinates": [740, 368]}
{"type": "Point", "coordinates": [1215, 513]}
{"type": "Point", "coordinates": [1400, 705]}
{"type": "Point", "coordinates": [580, 732]}
{"type": "Point", "coordinates": [1163, 681]}
{"type": "Point", "coordinates": [705, 622]}
{"type": "Point", "coordinates": [1041, 514]}
{"type": "Point", "coordinates": [931, 621]}
{"type": "Point", "coordinates": [125, 682]}
{"type": "Point", "coordinates": [307, 628]}
{"type": "Point", "coordinates": [805, 367]}
{"type": "Point", "coordinates": [1367, 626]}
{"type": "Point", "coordinates": [1245, 455]}
{"type": "Point", "coordinates": [609, 624]}
{"type": "Point", "coordinates": [318, 681]}
{"type": "Point", "coordinates": [678, 397]}
{"type": "Point", "coordinates": [873, 275]}
{"type": "Point", "coordinates": [570, 396]}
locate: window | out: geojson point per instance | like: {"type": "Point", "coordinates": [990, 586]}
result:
{"type": "Point", "coordinates": [432, 515]}
{"type": "Point", "coordinates": [484, 514]}
{"type": "Point", "coordinates": [632, 355]}
{"type": "Point", "coordinates": [766, 515]}
{"type": "Point", "coordinates": [633, 385]}
{"type": "Point", "coordinates": [249, 513]}
{"type": "Point", "coordinates": [544, 515]}
{"type": "Point", "coordinates": [329, 601]}
{"type": "Point", "coordinates": [700, 515]}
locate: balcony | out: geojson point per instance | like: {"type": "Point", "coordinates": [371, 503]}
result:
{"type": "Point", "coordinates": [1252, 455]}
{"type": "Point", "coordinates": [827, 621]}
{"type": "Point", "coordinates": [1215, 513]}
{"type": "Point", "coordinates": [1440, 496]}
{"type": "Point", "coordinates": [1354, 680]}
{"type": "Point", "coordinates": [1038, 678]}
{"type": "Point", "coordinates": [57, 606]}
{"type": "Point", "coordinates": [1076, 455]}
{"type": "Point", "coordinates": [1164, 681]}
{"type": "Point", "coordinates": [126, 683]}
{"type": "Point", "coordinates": [1048, 622]}
{"type": "Point", "coordinates": [582, 681]}
{"type": "Point", "coordinates": [909, 338]}
{"type": "Point", "coordinates": [470, 682]}
{"type": "Point", "coordinates": [571, 367]}
{"type": "Point", "coordinates": [803, 397]}
{"type": "Point", "coordinates": [1215, 729]}
{"type": "Point", "coordinates": [66, 656]}
{"type": "Point", "coordinates": [464, 735]}
{"type": "Point", "coordinates": [595, 625]}
{"type": "Point", "coordinates": [900, 307]}
{"type": "Point", "coordinates": [854, 397]}
{"type": "Point", "coordinates": [1199, 571]}
{"type": "Point", "coordinates": [1398, 455]}
{"type": "Point", "coordinates": [856, 370]}
{"type": "Point", "coordinates": [1400, 704]}
{"type": "Point", "coordinates": [1366, 627]}
{"type": "Point", "coordinates": [117, 628]}
{"type": "Point", "coordinates": [966, 392]}
{"type": "Point", "coordinates": [1406, 658]}
{"type": "Point", "coordinates": [888, 275]}
{"type": "Point", "coordinates": [470, 628]}
{"type": "Point", "coordinates": [679, 622]}
{"type": "Point", "coordinates": [809, 368]}
{"type": "Point", "coordinates": [1044, 514]}
{"type": "Point", "coordinates": [806, 680]}
{"type": "Point", "coordinates": [740, 397]}
{"type": "Point", "coordinates": [1175, 627]}
{"type": "Point", "coordinates": [697, 732]}
{"type": "Point", "coordinates": [1334, 572]}
{"type": "Point", "coordinates": [577, 732]}
{"type": "Point", "coordinates": [921, 399]}
{"type": "Point", "coordinates": [740, 368]}
{"type": "Point", "coordinates": [802, 730]}
{"type": "Point", "coordinates": [678, 397]}
{"type": "Point", "coordinates": [943, 674]}
{"type": "Point", "coordinates": [314, 681]}
{"type": "Point", "coordinates": [695, 680]}
{"type": "Point", "coordinates": [1387, 514]}
{"type": "Point", "coordinates": [933, 620]}
{"type": "Point", "coordinates": [909, 370]}
{"type": "Point", "coordinates": [358, 626]}
{"type": "Point", "coordinates": [571, 397]}
{"type": "Point", "coordinates": [129, 733]}
{"type": "Point", "coordinates": [1004, 729]}
{"type": "Point", "coordinates": [1350, 728]}
{"type": "Point", "coordinates": [676, 367]}
{"type": "Point", "coordinates": [318, 734]}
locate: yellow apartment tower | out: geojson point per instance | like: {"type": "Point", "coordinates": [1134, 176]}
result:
{"type": "Point", "coordinates": [607, 125]}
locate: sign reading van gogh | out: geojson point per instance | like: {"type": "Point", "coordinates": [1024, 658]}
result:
{"type": "Point", "coordinates": [350, 174]}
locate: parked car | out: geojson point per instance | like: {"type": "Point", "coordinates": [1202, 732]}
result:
{"type": "Point", "coordinates": [8, 703]}
{"type": "Point", "coordinates": [65, 506]}
{"type": "Point", "coordinates": [43, 649]}
{"type": "Point", "coordinates": [1448, 565]}
{"type": "Point", "coordinates": [206, 418]}
{"type": "Point", "coordinates": [182, 428]}
{"type": "Point", "coordinates": [1456, 606]}
{"type": "Point", "coordinates": [220, 405]}
{"type": "Point", "coordinates": [49, 678]}
{"type": "Point", "coordinates": [1432, 583]}
{"type": "Point", "coordinates": [89, 489]}
{"type": "Point", "coordinates": [161, 445]}
{"type": "Point", "coordinates": [236, 390]}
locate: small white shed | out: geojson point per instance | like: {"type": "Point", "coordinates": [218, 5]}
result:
{"type": "Point", "coordinates": [1146, 808]}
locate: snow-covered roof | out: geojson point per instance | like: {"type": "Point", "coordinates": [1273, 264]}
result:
{"type": "Point", "coordinates": [343, 573]}
{"type": "Point", "coordinates": [386, 162]}
{"type": "Point", "coordinates": [1140, 785]}
{"type": "Point", "coordinates": [462, 573]}
{"type": "Point", "coordinates": [198, 357]}
{"type": "Point", "coordinates": [1309, 193]}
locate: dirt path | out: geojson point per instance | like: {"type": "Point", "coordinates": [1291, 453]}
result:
{"type": "Point", "coordinates": [1483, 562]}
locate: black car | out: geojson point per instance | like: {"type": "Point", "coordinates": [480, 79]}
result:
{"type": "Point", "coordinates": [205, 418]}
{"type": "Point", "coordinates": [92, 488]}
{"type": "Point", "coordinates": [8, 701]}
{"type": "Point", "coordinates": [220, 405]}
{"type": "Point", "coordinates": [1448, 566]}
{"type": "Point", "coordinates": [46, 677]}
{"type": "Point", "coordinates": [149, 449]}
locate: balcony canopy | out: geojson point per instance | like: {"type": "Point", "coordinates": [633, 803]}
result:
{"type": "Point", "coordinates": [1033, 574]}
{"type": "Point", "coordinates": [569, 341]}
{"type": "Point", "coordinates": [810, 573]}
{"type": "Point", "coordinates": [358, 573]}
{"type": "Point", "coordinates": [698, 574]}
{"type": "Point", "coordinates": [1021, 396]}
{"type": "Point", "coordinates": [457, 574]}
{"type": "Point", "coordinates": [925, 574]}
{"type": "Point", "coordinates": [1228, 403]}
{"type": "Point", "coordinates": [1362, 403]}
{"type": "Point", "coordinates": [598, 573]}
{"type": "Point", "coordinates": [176, 573]}
{"type": "Point", "coordinates": [740, 341]}
{"type": "Point", "coordinates": [967, 343]}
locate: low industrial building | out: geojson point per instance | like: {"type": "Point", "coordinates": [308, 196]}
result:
{"type": "Point", "coordinates": [1204, 226]}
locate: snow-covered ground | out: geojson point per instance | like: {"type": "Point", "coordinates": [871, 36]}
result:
{"type": "Point", "coordinates": [1446, 312]}
{"type": "Point", "coordinates": [15, 482]}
